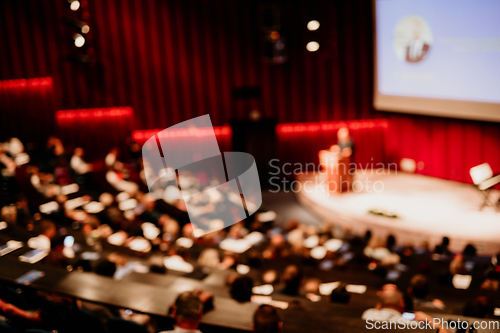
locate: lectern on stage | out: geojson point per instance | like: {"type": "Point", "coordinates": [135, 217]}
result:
{"type": "Point", "coordinates": [335, 164]}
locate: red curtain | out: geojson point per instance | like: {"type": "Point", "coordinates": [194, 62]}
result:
{"type": "Point", "coordinates": [95, 130]}
{"type": "Point", "coordinates": [27, 109]}
{"type": "Point", "coordinates": [223, 135]}
{"type": "Point", "coordinates": [301, 143]}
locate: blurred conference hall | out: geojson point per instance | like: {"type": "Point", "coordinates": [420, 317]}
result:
{"type": "Point", "coordinates": [264, 166]}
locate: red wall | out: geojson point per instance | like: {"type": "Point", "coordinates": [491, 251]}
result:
{"type": "Point", "coordinates": [448, 148]}
{"type": "Point", "coordinates": [172, 60]}
{"type": "Point", "coordinates": [27, 108]}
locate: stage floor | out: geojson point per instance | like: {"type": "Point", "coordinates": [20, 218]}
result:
{"type": "Point", "coordinates": [427, 209]}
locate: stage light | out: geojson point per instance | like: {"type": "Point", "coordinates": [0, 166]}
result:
{"type": "Point", "coordinates": [79, 40]}
{"type": "Point", "coordinates": [85, 29]}
{"type": "Point", "coordinates": [74, 5]}
{"type": "Point", "coordinates": [275, 35]}
{"type": "Point", "coordinates": [81, 26]}
{"type": "Point", "coordinates": [312, 46]}
{"type": "Point", "coordinates": [313, 25]}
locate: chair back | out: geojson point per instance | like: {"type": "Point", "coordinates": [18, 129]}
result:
{"type": "Point", "coordinates": [480, 173]}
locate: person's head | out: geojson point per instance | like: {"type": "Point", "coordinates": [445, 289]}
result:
{"type": "Point", "coordinates": [445, 242]}
{"type": "Point", "coordinates": [419, 286]}
{"type": "Point", "coordinates": [340, 295]}
{"type": "Point", "coordinates": [478, 308]}
{"type": "Point", "coordinates": [209, 257]}
{"type": "Point", "coordinates": [266, 320]}
{"type": "Point", "coordinates": [343, 134]}
{"type": "Point", "coordinates": [391, 242]}
{"type": "Point", "coordinates": [106, 268]}
{"type": "Point", "coordinates": [393, 299]}
{"type": "Point", "coordinates": [241, 289]}
{"type": "Point", "coordinates": [187, 310]}
{"type": "Point", "coordinates": [292, 277]}
{"type": "Point", "coordinates": [495, 259]}
{"type": "Point", "coordinates": [469, 251]}
{"type": "Point", "coordinates": [78, 152]}
{"type": "Point", "coordinates": [48, 228]}
{"type": "Point", "coordinates": [9, 214]}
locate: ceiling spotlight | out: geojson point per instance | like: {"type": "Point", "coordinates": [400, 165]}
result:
{"type": "Point", "coordinates": [82, 26]}
{"type": "Point", "coordinates": [312, 25]}
{"type": "Point", "coordinates": [79, 40]}
{"type": "Point", "coordinates": [312, 46]}
{"type": "Point", "coordinates": [85, 29]}
{"type": "Point", "coordinates": [74, 5]}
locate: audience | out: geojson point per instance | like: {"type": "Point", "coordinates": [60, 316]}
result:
{"type": "Point", "coordinates": [241, 289]}
{"type": "Point", "coordinates": [119, 213]}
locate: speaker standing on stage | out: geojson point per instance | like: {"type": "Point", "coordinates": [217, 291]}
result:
{"type": "Point", "coordinates": [345, 143]}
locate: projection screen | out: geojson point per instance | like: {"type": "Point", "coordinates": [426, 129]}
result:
{"type": "Point", "coordinates": [438, 57]}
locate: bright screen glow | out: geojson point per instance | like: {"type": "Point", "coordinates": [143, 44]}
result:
{"type": "Point", "coordinates": [438, 57]}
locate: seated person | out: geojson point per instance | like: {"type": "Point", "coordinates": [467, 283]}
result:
{"type": "Point", "coordinates": [479, 308]}
{"type": "Point", "coordinates": [457, 265]}
{"type": "Point", "coordinates": [43, 240]}
{"type": "Point", "coordinates": [187, 312]}
{"type": "Point", "coordinates": [44, 183]}
{"type": "Point", "coordinates": [78, 164]}
{"type": "Point", "coordinates": [241, 289]}
{"type": "Point", "coordinates": [267, 320]}
{"type": "Point", "coordinates": [340, 295]}
{"type": "Point", "coordinates": [418, 289]}
{"type": "Point", "coordinates": [116, 177]}
{"type": "Point", "coordinates": [442, 248]}
{"type": "Point", "coordinates": [292, 277]}
{"type": "Point", "coordinates": [10, 310]}
{"type": "Point", "coordinates": [106, 268]}
{"type": "Point", "coordinates": [491, 281]}
{"type": "Point", "coordinates": [391, 308]}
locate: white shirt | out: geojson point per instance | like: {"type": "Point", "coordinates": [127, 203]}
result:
{"type": "Point", "coordinates": [416, 49]}
{"type": "Point", "coordinates": [41, 242]}
{"type": "Point", "coordinates": [384, 314]}
{"type": "Point", "coordinates": [78, 164]}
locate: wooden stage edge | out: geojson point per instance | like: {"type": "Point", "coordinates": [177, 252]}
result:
{"type": "Point", "coordinates": [427, 209]}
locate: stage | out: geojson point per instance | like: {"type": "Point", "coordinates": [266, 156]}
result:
{"type": "Point", "coordinates": [427, 209]}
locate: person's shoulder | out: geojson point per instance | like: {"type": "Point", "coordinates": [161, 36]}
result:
{"type": "Point", "coordinates": [381, 314]}
{"type": "Point", "coordinates": [369, 313]}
